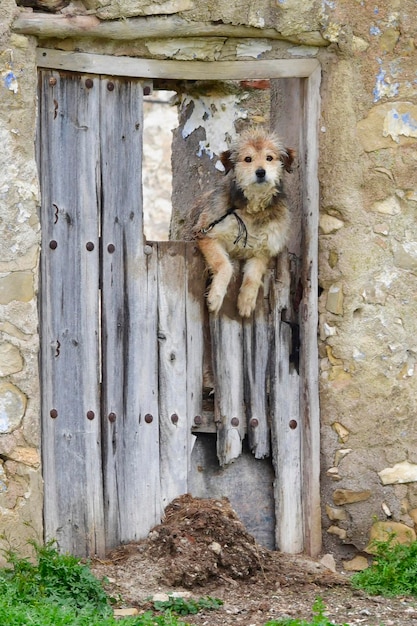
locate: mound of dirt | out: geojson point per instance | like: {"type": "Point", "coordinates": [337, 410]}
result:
{"type": "Point", "coordinates": [202, 539]}
{"type": "Point", "coordinates": [202, 545]}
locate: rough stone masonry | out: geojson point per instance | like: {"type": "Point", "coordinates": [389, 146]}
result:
{"type": "Point", "coordinates": [368, 241]}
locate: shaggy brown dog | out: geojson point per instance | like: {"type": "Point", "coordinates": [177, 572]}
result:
{"type": "Point", "coordinates": [245, 217]}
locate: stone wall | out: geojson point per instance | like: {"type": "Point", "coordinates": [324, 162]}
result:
{"type": "Point", "coordinates": [368, 241]}
{"type": "Point", "coordinates": [20, 474]}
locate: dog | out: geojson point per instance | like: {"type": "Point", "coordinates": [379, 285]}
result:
{"type": "Point", "coordinates": [244, 218]}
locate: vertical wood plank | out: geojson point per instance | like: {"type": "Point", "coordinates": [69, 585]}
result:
{"type": "Point", "coordinates": [71, 432]}
{"type": "Point", "coordinates": [256, 346]}
{"type": "Point", "coordinates": [196, 280]}
{"type": "Point", "coordinates": [227, 353]}
{"type": "Point", "coordinates": [175, 434]}
{"type": "Point", "coordinates": [286, 427]}
{"type": "Point", "coordinates": [309, 396]}
{"type": "Point", "coordinates": [129, 294]}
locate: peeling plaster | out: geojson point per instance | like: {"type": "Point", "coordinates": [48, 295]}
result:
{"type": "Point", "coordinates": [383, 86]}
{"type": "Point", "coordinates": [217, 115]}
{"type": "Point", "coordinates": [396, 124]}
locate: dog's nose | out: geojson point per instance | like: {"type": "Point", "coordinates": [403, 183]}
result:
{"type": "Point", "coordinates": [260, 173]}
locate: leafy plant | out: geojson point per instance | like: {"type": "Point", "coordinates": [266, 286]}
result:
{"type": "Point", "coordinates": [59, 577]}
{"type": "Point", "coordinates": [59, 590]}
{"type": "Point", "coordinates": [187, 606]}
{"type": "Point", "coordinates": [393, 571]}
{"type": "Point", "coordinates": [319, 618]}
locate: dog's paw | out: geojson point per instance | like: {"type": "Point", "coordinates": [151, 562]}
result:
{"type": "Point", "coordinates": [246, 303]}
{"type": "Point", "coordinates": [214, 302]}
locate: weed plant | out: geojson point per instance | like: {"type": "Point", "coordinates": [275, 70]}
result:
{"type": "Point", "coordinates": [319, 618]}
{"type": "Point", "coordinates": [187, 606]}
{"type": "Point", "coordinates": [393, 571]}
{"type": "Point", "coordinates": [59, 590]}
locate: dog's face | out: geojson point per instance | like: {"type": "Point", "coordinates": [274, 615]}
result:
{"type": "Point", "coordinates": [257, 158]}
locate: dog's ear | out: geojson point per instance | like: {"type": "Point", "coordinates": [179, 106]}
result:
{"type": "Point", "coordinates": [225, 158]}
{"type": "Point", "coordinates": [287, 157]}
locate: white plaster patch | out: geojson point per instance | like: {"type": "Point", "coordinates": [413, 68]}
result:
{"type": "Point", "coordinates": [398, 124]}
{"type": "Point", "coordinates": [217, 115]}
{"type": "Point", "coordinates": [254, 48]}
{"type": "Point", "coordinates": [404, 472]}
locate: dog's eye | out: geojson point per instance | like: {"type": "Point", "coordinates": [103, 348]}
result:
{"type": "Point", "coordinates": [269, 158]}
{"type": "Point", "coordinates": [248, 159]}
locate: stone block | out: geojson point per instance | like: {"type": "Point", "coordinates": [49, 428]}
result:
{"type": "Point", "coordinates": [334, 303]}
{"type": "Point", "coordinates": [16, 286]}
{"type": "Point", "coordinates": [12, 407]}
{"type": "Point", "coordinates": [329, 224]}
{"type": "Point", "coordinates": [382, 531]}
{"type": "Point", "coordinates": [335, 514]}
{"type": "Point", "coordinates": [341, 431]}
{"type": "Point", "coordinates": [357, 564]}
{"type": "Point", "coordinates": [404, 472]}
{"type": "Point", "coordinates": [10, 359]}
{"type": "Point", "coordinates": [339, 532]}
{"type": "Point", "coordinates": [348, 496]}
{"type": "Point", "coordinates": [387, 124]}
{"type": "Point", "coordinates": [389, 206]}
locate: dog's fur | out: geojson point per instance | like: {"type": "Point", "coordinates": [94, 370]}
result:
{"type": "Point", "coordinates": [256, 223]}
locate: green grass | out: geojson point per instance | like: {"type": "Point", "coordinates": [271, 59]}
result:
{"type": "Point", "coordinates": [393, 571]}
{"type": "Point", "coordinates": [58, 590]}
{"type": "Point", "coordinates": [319, 618]}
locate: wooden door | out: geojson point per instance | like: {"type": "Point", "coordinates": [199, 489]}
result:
{"type": "Point", "coordinates": [124, 333]}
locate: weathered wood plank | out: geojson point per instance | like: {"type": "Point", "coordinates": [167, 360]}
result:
{"type": "Point", "coordinates": [129, 294]}
{"type": "Point", "coordinates": [175, 432]}
{"type": "Point", "coordinates": [71, 433]}
{"type": "Point", "coordinates": [184, 70]}
{"type": "Point", "coordinates": [227, 353]}
{"type": "Point", "coordinates": [256, 347]}
{"type": "Point", "coordinates": [309, 395]}
{"type": "Point", "coordinates": [196, 279]}
{"type": "Point", "coordinates": [63, 26]}
{"type": "Point", "coordinates": [286, 427]}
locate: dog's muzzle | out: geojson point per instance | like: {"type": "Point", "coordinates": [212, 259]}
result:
{"type": "Point", "coordinates": [260, 175]}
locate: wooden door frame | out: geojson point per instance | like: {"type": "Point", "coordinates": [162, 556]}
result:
{"type": "Point", "coordinates": [310, 70]}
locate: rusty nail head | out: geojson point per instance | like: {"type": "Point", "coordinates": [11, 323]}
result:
{"type": "Point", "coordinates": [52, 81]}
{"type": "Point", "coordinates": [90, 415]}
{"type": "Point", "coordinates": [174, 418]}
{"type": "Point", "coordinates": [110, 86]}
{"type": "Point", "coordinates": [53, 413]}
{"type": "Point", "coordinates": [89, 245]}
{"type": "Point", "coordinates": [146, 91]}
{"type": "Point", "coordinates": [89, 83]}
{"type": "Point", "coordinates": [198, 420]}
{"type": "Point", "coordinates": [112, 417]}
{"type": "Point", "coordinates": [254, 422]}
{"type": "Point", "coordinates": [235, 421]}
{"type": "Point", "coordinates": [148, 249]}
{"type": "Point", "coordinates": [293, 424]}
{"type": "Point", "coordinates": [148, 418]}
{"type": "Point", "coordinates": [53, 244]}
{"type": "Point", "coordinates": [111, 248]}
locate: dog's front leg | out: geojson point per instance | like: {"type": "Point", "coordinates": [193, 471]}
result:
{"type": "Point", "coordinates": [253, 273]}
{"type": "Point", "coordinates": [221, 270]}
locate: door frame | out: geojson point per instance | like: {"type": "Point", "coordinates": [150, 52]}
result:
{"type": "Point", "coordinates": [308, 69]}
